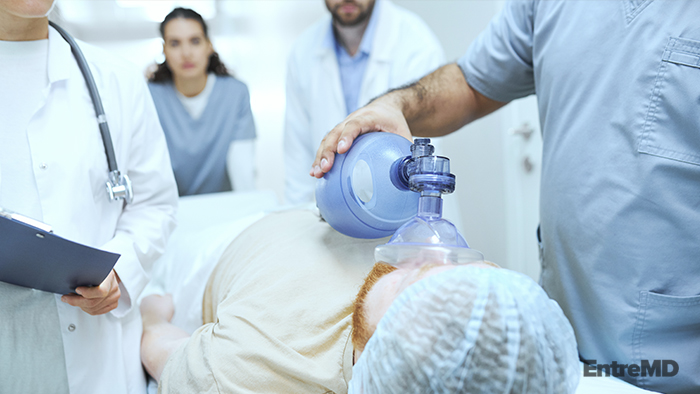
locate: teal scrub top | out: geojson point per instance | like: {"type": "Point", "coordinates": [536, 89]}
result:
{"type": "Point", "coordinates": [199, 147]}
{"type": "Point", "coordinates": [618, 88]}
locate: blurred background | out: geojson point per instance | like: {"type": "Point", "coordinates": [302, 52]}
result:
{"type": "Point", "coordinates": [496, 159]}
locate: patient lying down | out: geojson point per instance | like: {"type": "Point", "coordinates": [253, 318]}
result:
{"type": "Point", "coordinates": [279, 317]}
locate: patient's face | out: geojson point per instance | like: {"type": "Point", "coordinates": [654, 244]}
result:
{"type": "Point", "coordinates": [382, 286]}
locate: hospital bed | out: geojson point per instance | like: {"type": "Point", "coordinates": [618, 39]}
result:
{"type": "Point", "coordinates": [206, 225]}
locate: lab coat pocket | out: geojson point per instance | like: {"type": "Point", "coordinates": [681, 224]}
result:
{"type": "Point", "coordinates": [671, 126]}
{"type": "Point", "coordinates": [668, 328]}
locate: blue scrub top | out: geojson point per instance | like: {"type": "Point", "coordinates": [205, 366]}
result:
{"type": "Point", "coordinates": [618, 87]}
{"type": "Point", "coordinates": [199, 147]}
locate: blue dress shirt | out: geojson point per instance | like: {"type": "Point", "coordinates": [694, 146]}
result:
{"type": "Point", "coordinates": [352, 68]}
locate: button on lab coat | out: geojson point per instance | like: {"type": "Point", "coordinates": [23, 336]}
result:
{"type": "Point", "coordinates": [70, 168]}
{"type": "Point", "coordinates": [404, 49]}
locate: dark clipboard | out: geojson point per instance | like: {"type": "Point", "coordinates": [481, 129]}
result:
{"type": "Point", "coordinates": [34, 257]}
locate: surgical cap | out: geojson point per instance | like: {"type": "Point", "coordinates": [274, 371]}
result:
{"type": "Point", "coordinates": [470, 330]}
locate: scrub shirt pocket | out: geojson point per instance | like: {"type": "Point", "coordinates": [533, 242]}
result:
{"type": "Point", "coordinates": [677, 318]}
{"type": "Point", "coordinates": [672, 126]}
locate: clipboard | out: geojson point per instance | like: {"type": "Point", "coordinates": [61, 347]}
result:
{"type": "Point", "coordinates": [32, 256]}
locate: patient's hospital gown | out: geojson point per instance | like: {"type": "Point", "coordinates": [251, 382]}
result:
{"type": "Point", "coordinates": [277, 312]}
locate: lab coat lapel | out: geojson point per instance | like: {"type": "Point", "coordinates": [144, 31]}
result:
{"type": "Point", "coordinates": [45, 129]}
{"type": "Point", "coordinates": [332, 100]}
{"type": "Point", "coordinates": [67, 105]}
{"type": "Point", "coordinates": [376, 79]}
{"type": "Point", "coordinates": [329, 64]}
{"type": "Point", "coordinates": [60, 57]}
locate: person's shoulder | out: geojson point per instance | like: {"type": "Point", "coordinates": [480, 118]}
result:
{"type": "Point", "coordinates": [161, 92]}
{"type": "Point", "coordinates": [104, 63]}
{"type": "Point", "coordinates": [232, 85]}
{"type": "Point", "coordinates": [159, 87]}
{"type": "Point", "coordinates": [232, 82]}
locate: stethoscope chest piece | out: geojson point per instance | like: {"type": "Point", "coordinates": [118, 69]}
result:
{"type": "Point", "coordinates": [119, 187]}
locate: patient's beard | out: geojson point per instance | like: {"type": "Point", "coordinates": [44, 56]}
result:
{"type": "Point", "coordinates": [361, 332]}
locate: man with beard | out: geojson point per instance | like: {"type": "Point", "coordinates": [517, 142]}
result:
{"type": "Point", "coordinates": [361, 50]}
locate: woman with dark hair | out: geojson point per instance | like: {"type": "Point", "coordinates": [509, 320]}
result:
{"type": "Point", "coordinates": [204, 111]}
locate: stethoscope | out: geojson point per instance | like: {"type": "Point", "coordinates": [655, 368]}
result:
{"type": "Point", "coordinates": [118, 185]}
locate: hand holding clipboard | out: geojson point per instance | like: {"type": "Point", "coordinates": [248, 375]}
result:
{"type": "Point", "coordinates": [32, 256]}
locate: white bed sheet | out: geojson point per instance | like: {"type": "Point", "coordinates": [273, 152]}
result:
{"type": "Point", "coordinates": [206, 225]}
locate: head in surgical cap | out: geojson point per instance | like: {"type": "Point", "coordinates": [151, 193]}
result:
{"type": "Point", "coordinates": [470, 330]}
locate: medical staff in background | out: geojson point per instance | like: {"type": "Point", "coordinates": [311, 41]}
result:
{"type": "Point", "coordinates": [205, 112]}
{"type": "Point", "coordinates": [618, 88]}
{"type": "Point", "coordinates": [359, 51]}
{"type": "Point", "coordinates": [54, 169]}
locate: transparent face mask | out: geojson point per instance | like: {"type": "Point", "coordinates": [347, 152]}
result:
{"type": "Point", "coordinates": [422, 241]}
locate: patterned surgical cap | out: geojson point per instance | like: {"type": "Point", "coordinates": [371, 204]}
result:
{"type": "Point", "coordinates": [470, 330]}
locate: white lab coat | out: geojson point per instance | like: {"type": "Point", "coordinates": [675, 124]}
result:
{"type": "Point", "coordinates": [70, 168]}
{"type": "Point", "coordinates": [403, 50]}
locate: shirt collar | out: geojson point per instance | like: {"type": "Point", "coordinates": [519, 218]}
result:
{"type": "Point", "coordinates": [60, 57]}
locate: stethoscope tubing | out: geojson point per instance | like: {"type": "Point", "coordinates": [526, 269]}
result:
{"type": "Point", "coordinates": [94, 95]}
